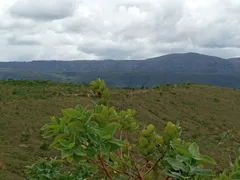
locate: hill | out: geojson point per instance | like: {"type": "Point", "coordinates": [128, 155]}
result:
{"type": "Point", "coordinates": [205, 113]}
{"type": "Point", "coordinates": [187, 63]}
{"type": "Point", "coordinates": [172, 68]}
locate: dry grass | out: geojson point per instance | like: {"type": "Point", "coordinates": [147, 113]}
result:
{"type": "Point", "coordinates": [205, 112]}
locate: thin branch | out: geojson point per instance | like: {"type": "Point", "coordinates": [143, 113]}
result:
{"type": "Point", "coordinates": [168, 177]}
{"type": "Point", "coordinates": [139, 174]}
{"type": "Point", "coordinates": [119, 171]}
{"type": "Point", "coordinates": [104, 167]}
{"type": "Point", "coordinates": [146, 166]}
{"type": "Point", "coordinates": [94, 162]}
{"type": "Point", "coordinates": [155, 164]}
{"type": "Point", "coordinates": [126, 166]}
{"type": "Point", "coordinates": [140, 160]}
{"type": "Point", "coordinates": [133, 161]}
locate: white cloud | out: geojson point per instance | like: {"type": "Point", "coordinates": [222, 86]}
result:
{"type": "Point", "coordinates": [117, 29]}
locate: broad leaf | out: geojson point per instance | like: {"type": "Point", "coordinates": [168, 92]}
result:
{"type": "Point", "coordinates": [194, 150]}
{"type": "Point", "coordinates": [176, 165]}
{"type": "Point", "coordinates": [111, 129]}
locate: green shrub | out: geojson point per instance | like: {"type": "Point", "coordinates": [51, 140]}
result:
{"type": "Point", "coordinates": [101, 143]}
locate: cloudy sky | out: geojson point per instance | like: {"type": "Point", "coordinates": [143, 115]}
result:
{"type": "Point", "coordinates": [117, 29]}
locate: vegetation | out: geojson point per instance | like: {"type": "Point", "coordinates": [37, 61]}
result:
{"type": "Point", "coordinates": [25, 112]}
{"type": "Point", "coordinates": [96, 141]}
{"type": "Point", "coordinates": [133, 79]}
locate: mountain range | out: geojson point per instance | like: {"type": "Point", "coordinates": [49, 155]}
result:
{"type": "Point", "coordinates": [172, 68]}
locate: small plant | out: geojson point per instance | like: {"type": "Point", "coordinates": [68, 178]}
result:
{"type": "Point", "coordinates": [44, 169]}
{"type": "Point", "coordinates": [234, 174]}
{"type": "Point", "coordinates": [44, 146]}
{"type": "Point", "coordinates": [232, 134]}
{"type": "Point", "coordinates": [216, 99]}
{"type": "Point", "coordinates": [25, 136]}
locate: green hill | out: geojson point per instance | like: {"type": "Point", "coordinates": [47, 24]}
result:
{"type": "Point", "coordinates": [205, 113]}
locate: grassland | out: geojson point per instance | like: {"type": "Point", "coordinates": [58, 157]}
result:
{"type": "Point", "coordinates": [205, 113]}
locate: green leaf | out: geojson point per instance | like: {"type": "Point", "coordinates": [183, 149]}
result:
{"type": "Point", "coordinates": [235, 175]}
{"type": "Point", "coordinates": [67, 153]}
{"type": "Point", "coordinates": [176, 164]}
{"type": "Point", "coordinates": [50, 133]}
{"type": "Point", "coordinates": [104, 148]}
{"type": "Point", "coordinates": [113, 117]}
{"type": "Point", "coordinates": [111, 129]}
{"type": "Point", "coordinates": [204, 172]}
{"type": "Point", "coordinates": [107, 137]}
{"type": "Point", "coordinates": [80, 151]}
{"type": "Point", "coordinates": [90, 117]}
{"type": "Point", "coordinates": [75, 125]}
{"type": "Point", "coordinates": [63, 142]}
{"type": "Point", "coordinates": [54, 120]}
{"type": "Point", "coordinates": [205, 159]}
{"type": "Point", "coordinates": [55, 127]}
{"type": "Point", "coordinates": [116, 141]}
{"type": "Point", "coordinates": [194, 150]}
{"type": "Point", "coordinates": [93, 138]}
{"type": "Point", "coordinates": [176, 175]}
{"type": "Point", "coordinates": [60, 136]}
{"type": "Point", "coordinates": [182, 150]}
{"type": "Point", "coordinates": [71, 145]}
{"type": "Point", "coordinates": [182, 158]}
{"type": "Point", "coordinates": [71, 112]}
{"type": "Point", "coordinates": [100, 119]}
{"type": "Point", "coordinates": [62, 124]}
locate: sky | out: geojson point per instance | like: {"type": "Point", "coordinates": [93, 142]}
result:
{"type": "Point", "coordinates": [117, 29]}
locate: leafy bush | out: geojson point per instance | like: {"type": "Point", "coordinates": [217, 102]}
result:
{"type": "Point", "coordinates": [101, 143]}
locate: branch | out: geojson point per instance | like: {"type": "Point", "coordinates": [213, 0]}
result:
{"type": "Point", "coordinates": [104, 167]}
{"type": "Point", "coordinates": [126, 166]}
{"type": "Point", "coordinates": [146, 166]}
{"type": "Point", "coordinates": [168, 177]}
{"type": "Point", "coordinates": [139, 174]}
{"type": "Point", "coordinates": [155, 164]}
{"type": "Point", "coordinates": [119, 171]}
{"type": "Point", "coordinates": [140, 160]}
{"type": "Point", "coordinates": [96, 163]}
{"type": "Point", "coordinates": [133, 161]}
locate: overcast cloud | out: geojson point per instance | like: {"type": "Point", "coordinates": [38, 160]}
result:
{"type": "Point", "coordinates": [117, 29]}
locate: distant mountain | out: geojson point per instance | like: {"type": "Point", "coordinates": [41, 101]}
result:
{"type": "Point", "coordinates": [188, 63]}
{"type": "Point", "coordinates": [172, 68]}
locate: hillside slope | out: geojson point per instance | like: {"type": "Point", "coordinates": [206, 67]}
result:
{"type": "Point", "coordinates": [187, 63]}
{"type": "Point", "coordinates": [172, 68]}
{"type": "Point", "coordinates": [205, 112]}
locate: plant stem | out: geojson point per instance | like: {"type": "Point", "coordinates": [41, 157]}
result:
{"type": "Point", "coordinates": [146, 166]}
{"type": "Point", "coordinates": [104, 167]}
{"type": "Point", "coordinates": [168, 177]}
{"type": "Point", "coordinates": [119, 171]}
{"type": "Point", "coordinates": [155, 164]}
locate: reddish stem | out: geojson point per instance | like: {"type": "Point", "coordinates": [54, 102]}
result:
{"type": "Point", "coordinates": [119, 171]}
{"type": "Point", "coordinates": [155, 164]}
{"type": "Point", "coordinates": [104, 167]}
{"type": "Point", "coordinates": [168, 177]}
{"type": "Point", "coordinates": [134, 163]}
{"type": "Point", "coordinates": [146, 166]}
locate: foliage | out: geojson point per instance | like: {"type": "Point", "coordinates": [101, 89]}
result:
{"type": "Point", "coordinates": [44, 169]}
{"type": "Point", "coordinates": [99, 143]}
{"type": "Point", "coordinates": [234, 174]}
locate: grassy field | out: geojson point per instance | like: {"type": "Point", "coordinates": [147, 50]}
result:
{"type": "Point", "coordinates": [205, 113]}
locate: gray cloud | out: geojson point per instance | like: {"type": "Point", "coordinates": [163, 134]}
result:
{"type": "Point", "coordinates": [26, 40]}
{"type": "Point", "coordinates": [118, 29]}
{"type": "Point", "coordinates": [43, 10]}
